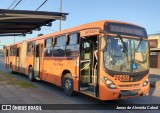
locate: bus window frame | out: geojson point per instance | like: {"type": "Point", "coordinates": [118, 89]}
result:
{"type": "Point", "coordinates": [78, 38]}
{"type": "Point", "coordinates": [57, 37]}
{"type": "Point", "coordinates": [49, 47]}
{"type": "Point", "coordinates": [70, 45]}
{"type": "Point", "coordinates": [32, 49]}
{"type": "Point", "coordinates": [62, 47]}
{"type": "Point", "coordinates": [13, 49]}
{"type": "Point", "coordinates": [45, 42]}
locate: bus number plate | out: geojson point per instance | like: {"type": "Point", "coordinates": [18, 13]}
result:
{"type": "Point", "coordinates": [123, 78]}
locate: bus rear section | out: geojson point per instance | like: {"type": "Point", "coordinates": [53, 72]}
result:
{"type": "Point", "coordinates": [15, 57]}
{"type": "Point", "coordinates": [12, 59]}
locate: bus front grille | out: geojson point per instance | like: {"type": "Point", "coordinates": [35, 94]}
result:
{"type": "Point", "coordinates": [129, 85]}
{"type": "Point", "coordinates": [129, 92]}
{"type": "Point", "coordinates": [135, 78]}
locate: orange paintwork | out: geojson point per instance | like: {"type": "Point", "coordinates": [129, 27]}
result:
{"type": "Point", "coordinates": [51, 69]}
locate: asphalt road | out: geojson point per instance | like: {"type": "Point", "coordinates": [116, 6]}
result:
{"type": "Point", "coordinates": [153, 98]}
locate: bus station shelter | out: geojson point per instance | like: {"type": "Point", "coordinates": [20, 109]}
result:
{"type": "Point", "coordinates": [22, 22]}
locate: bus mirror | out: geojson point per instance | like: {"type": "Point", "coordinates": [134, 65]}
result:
{"type": "Point", "coordinates": [103, 43]}
{"type": "Point", "coordinates": [103, 40]}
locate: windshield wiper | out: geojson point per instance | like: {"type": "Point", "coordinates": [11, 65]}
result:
{"type": "Point", "coordinates": [125, 51]}
{"type": "Point", "coordinates": [138, 45]}
{"type": "Point", "coordinates": [124, 45]}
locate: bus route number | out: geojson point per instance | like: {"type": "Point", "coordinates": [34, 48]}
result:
{"type": "Point", "coordinates": [123, 78]}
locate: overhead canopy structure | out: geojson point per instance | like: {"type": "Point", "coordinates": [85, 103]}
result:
{"type": "Point", "coordinates": [21, 22]}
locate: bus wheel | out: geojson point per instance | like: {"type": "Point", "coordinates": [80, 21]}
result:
{"type": "Point", "coordinates": [68, 85]}
{"type": "Point", "coordinates": [30, 74]}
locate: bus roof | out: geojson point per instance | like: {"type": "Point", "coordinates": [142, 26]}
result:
{"type": "Point", "coordinates": [16, 43]}
{"type": "Point", "coordinates": [97, 24]}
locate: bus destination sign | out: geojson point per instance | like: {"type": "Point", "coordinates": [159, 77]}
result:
{"type": "Point", "coordinates": [126, 29]}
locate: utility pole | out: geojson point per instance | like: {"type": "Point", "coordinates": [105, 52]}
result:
{"type": "Point", "coordinates": [60, 24]}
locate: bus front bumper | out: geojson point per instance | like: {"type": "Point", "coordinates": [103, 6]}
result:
{"type": "Point", "coordinates": [113, 94]}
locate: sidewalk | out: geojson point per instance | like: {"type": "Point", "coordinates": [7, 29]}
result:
{"type": "Point", "coordinates": [12, 91]}
{"type": "Point", "coordinates": [154, 72]}
{"type": "Point", "coordinates": [155, 77]}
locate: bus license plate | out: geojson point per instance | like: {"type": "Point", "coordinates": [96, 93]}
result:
{"type": "Point", "coordinates": [123, 78]}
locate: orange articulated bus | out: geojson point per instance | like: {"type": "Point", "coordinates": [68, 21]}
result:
{"type": "Point", "coordinates": [106, 59]}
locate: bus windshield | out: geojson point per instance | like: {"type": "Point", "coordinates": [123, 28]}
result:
{"type": "Point", "coordinates": [126, 54]}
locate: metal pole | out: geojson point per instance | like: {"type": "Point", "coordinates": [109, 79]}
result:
{"type": "Point", "coordinates": [60, 24]}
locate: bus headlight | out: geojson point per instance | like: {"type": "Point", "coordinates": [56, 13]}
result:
{"type": "Point", "coordinates": [108, 82]}
{"type": "Point", "coordinates": [145, 83]}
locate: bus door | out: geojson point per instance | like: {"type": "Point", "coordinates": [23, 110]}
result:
{"type": "Point", "coordinates": [17, 59]}
{"type": "Point", "coordinates": [88, 65]}
{"type": "Point", "coordinates": [41, 61]}
{"type": "Point", "coordinates": [37, 61]}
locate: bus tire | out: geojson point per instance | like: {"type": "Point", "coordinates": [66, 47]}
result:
{"type": "Point", "coordinates": [31, 74]}
{"type": "Point", "coordinates": [68, 85]}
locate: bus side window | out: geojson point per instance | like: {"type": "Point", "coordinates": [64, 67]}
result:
{"type": "Point", "coordinates": [48, 47]}
{"type": "Point", "coordinates": [59, 49]}
{"type": "Point", "coordinates": [30, 48]}
{"type": "Point", "coordinates": [72, 49]}
{"type": "Point", "coordinates": [13, 51]}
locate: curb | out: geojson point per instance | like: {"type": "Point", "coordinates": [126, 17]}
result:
{"type": "Point", "coordinates": [156, 85]}
{"type": "Point", "coordinates": [154, 76]}
{"type": "Point", "coordinates": [155, 82]}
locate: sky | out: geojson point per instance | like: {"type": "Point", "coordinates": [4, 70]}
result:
{"type": "Point", "coordinates": [145, 13]}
